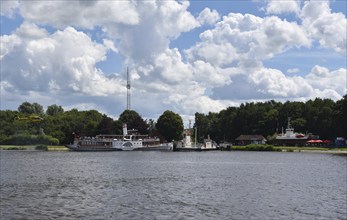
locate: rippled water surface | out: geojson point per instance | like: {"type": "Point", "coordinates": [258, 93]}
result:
{"type": "Point", "coordinates": [172, 185]}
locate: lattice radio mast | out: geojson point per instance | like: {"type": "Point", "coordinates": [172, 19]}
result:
{"type": "Point", "coordinates": [128, 90]}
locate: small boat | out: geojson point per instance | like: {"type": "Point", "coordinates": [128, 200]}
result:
{"type": "Point", "coordinates": [186, 144]}
{"type": "Point", "coordinates": [125, 142]}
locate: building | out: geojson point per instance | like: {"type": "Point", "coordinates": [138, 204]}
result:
{"type": "Point", "coordinates": [250, 139]}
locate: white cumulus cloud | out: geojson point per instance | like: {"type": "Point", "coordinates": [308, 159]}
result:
{"type": "Point", "coordinates": [64, 60]}
{"type": "Point", "coordinates": [240, 38]}
{"type": "Point", "coordinates": [280, 6]}
{"type": "Point", "coordinates": [208, 16]}
{"type": "Point", "coordinates": [329, 29]}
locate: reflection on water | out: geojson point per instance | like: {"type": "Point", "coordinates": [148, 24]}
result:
{"type": "Point", "coordinates": [172, 185]}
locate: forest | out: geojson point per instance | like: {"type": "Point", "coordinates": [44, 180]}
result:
{"type": "Point", "coordinates": [323, 117]}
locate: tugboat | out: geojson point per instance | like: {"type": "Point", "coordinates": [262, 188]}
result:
{"type": "Point", "coordinates": [125, 142]}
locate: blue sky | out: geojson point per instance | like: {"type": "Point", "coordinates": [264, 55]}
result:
{"type": "Point", "coordinates": [186, 56]}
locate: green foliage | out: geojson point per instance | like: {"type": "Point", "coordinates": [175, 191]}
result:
{"type": "Point", "coordinates": [256, 147]}
{"type": "Point", "coordinates": [31, 108]}
{"type": "Point", "coordinates": [7, 127]}
{"type": "Point", "coordinates": [14, 148]}
{"type": "Point", "coordinates": [54, 110]}
{"type": "Point", "coordinates": [41, 147]}
{"type": "Point", "coordinates": [323, 117]}
{"type": "Point", "coordinates": [25, 139]}
{"type": "Point", "coordinates": [106, 125]}
{"type": "Point", "coordinates": [339, 117]}
{"type": "Point", "coordinates": [320, 116]}
{"type": "Point", "coordinates": [134, 121]}
{"type": "Point", "coordinates": [170, 126]}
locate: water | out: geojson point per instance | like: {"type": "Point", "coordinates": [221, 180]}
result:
{"type": "Point", "coordinates": [172, 185]}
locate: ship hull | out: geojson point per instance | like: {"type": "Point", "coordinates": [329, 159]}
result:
{"type": "Point", "coordinates": [185, 149]}
{"type": "Point", "coordinates": [91, 148]}
{"type": "Point", "coordinates": [159, 148]}
{"type": "Point", "coordinates": [97, 148]}
{"type": "Point", "coordinates": [290, 142]}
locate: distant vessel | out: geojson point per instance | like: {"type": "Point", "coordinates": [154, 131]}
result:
{"type": "Point", "coordinates": [186, 144]}
{"type": "Point", "coordinates": [290, 134]}
{"type": "Point", "coordinates": [292, 138]}
{"type": "Point", "coordinates": [125, 142]}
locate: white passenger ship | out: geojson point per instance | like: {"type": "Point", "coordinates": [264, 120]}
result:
{"type": "Point", "coordinates": [125, 142]}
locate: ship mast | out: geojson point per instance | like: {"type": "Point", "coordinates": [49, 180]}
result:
{"type": "Point", "coordinates": [128, 90]}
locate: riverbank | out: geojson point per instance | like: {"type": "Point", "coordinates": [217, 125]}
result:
{"type": "Point", "coordinates": [33, 147]}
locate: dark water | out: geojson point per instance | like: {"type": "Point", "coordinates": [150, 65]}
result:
{"type": "Point", "coordinates": [170, 185]}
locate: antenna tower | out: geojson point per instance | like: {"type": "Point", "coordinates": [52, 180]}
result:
{"type": "Point", "coordinates": [128, 90]}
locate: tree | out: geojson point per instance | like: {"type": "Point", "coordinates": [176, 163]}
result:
{"type": "Point", "coordinates": [134, 121]}
{"type": "Point", "coordinates": [105, 126]}
{"type": "Point", "coordinates": [28, 108]}
{"type": "Point", "coordinates": [54, 110]}
{"type": "Point", "coordinates": [202, 124]}
{"type": "Point", "coordinates": [340, 117]}
{"type": "Point", "coordinates": [7, 127]}
{"type": "Point", "coordinates": [170, 126]}
{"type": "Point", "coordinates": [227, 118]}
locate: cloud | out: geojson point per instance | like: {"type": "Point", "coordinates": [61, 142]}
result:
{"type": "Point", "coordinates": [8, 43]}
{"type": "Point", "coordinates": [171, 67]}
{"type": "Point", "coordinates": [328, 83]}
{"type": "Point", "coordinates": [208, 16]}
{"type": "Point", "coordinates": [275, 84]}
{"type": "Point", "coordinates": [240, 38]}
{"type": "Point", "coordinates": [317, 20]}
{"type": "Point", "coordinates": [279, 7]}
{"type": "Point", "coordinates": [110, 45]}
{"type": "Point", "coordinates": [209, 75]}
{"type": "Point", "coordinates": [160, 22]}
{"type": "Point", "coordinates": [33, 60]}
{"type": "Point", "coordinates": [326, 27]}
{"type": "Point", "coordinates": [293, 70]}
{"type": "Point", "coordinates": [8, 8]}
{"type": "Point", "coordinates": [267, 83]}
{"type": "Point", "coordinates": [224, 67]}
{"type": "Point", "coordinates": [81, 14]}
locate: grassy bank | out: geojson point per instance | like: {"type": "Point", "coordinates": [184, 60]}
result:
{"type": "Point", "coordinates": [33, 147]}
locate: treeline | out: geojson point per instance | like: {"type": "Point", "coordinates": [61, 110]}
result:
{"type": "Point", "coordinates": [62, 125]}
{"type": "Point", "coordinates": [32, 125]}
{"type": "Point", "coordinates": [322, 117]}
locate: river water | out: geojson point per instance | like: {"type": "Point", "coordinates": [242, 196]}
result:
{"type": "Point", "coordinates": [172, 185]}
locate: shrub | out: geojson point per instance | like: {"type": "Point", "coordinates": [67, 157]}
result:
{"type": "Point", "coordinates": [257, 147]}
{"type": "Point", "coordinates": [41, 147]}
{"type": "Point", "coordinates": [26, 139]}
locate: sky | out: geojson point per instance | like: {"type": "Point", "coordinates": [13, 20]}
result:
{"type": "Point", "coordinates": [183, 56]}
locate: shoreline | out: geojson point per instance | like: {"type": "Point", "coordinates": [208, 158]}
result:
{"type": "Point", "coordinates": [234, 148]}
{"type": "Point", "coordinates": [324, 151]}
{"type": "Point", "coordinates": [290, 149]}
